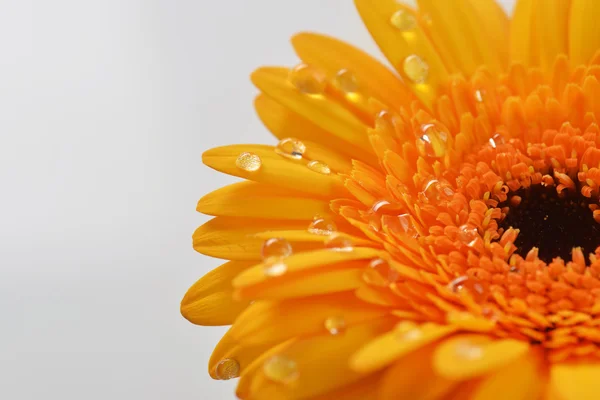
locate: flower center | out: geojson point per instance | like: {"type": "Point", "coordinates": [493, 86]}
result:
{"type": "Point", "coordinates": [553, 223]}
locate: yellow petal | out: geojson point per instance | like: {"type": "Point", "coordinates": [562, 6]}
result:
{"type": "Point", "coordinates": [234, 238]}
{"type": "Point", "coordinates": [519, 380]}
{"type": "Point", "coordinates": [523, 45]}
{"type": "Point", "coordinates": [318, 109]}
{"type": "Point", "coordinates": [284, 123]}
{"type": "Point", "coordinates": [275, 321]}
{"type": "Point", "coordinates": [584, 30]}
{"type": "Point", "coordinates": [365, 389]}
{"type": "Point", "coordinates": [398, 45]}
{"type": "Point", "coordinates": [413, 377]}
{"type": "Point", "coordinates": [552, 31]}
{"type": "Point", "coordinates": [332, 56]}
{"type": "Point", "coordinates": [468, 356]}
{"type": "Point", "coordinates": [210, 300]}
{"type": "Point", "coordinates": [321, 364]}
{"type": "Point", "coordinates": [275, 170]}
{"type": "Point", "coordinates": [305, 261]}
{"type": "Point", "coordinates": [495, 22]}
{"type": "Point", "coordinates": [259, 200]}
{"type": "Point", "coordinates": [396, 344]}
{"type": "Point", "coordinates": [305, 236]}
{"type": "Point", "coordinates": [575, 381]}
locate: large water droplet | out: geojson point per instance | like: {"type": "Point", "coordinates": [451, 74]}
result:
{"type": "Point", "coordinates": [380, 273]}
{"type": "Point", "coordinates": [400, 225]}
{"type": "Point", "coordinates": [468, 235]}
{"type": "Point", "coordinates": [319, 166]}
{"type": "Point", "coordinates": [496, 140]}
{"type": "Point", "coordinates": [290, 148]}
{"type": "Point", "coordinates": [468, 351]}
{"type": "Point", "coordinates": [227, 368]}
{"type": "Point", "coordinates": [403, 20]}
{"type": "Point", "coordinates": [432, 141]}
{"type": "Point", "coordinates": [322, 226]}
{"type": "Point", "coordinates": [248, 162]}
{"type": "Point", "coordinates": [415, 68]}
{"type": "Point", "coordinates": [408, 331]}
{"type": "Point", "coordinates": [281, 369]}
{"type": "Point", "coordinates": [335, 325]}
{"type": "Point", "coordinates": [307, 79]}
{"type": "Point", "coordinates": [339, 242]}
{"type": "Point", "coordinates": [346, 81]}
{"type": "Point", "coordinates": [276, 248]}
{"type": "Point", "coordinates": [434, 190]}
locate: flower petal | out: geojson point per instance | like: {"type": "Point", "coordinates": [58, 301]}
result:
{"type": "Point", "coordinates": [552, 31]}
{"type": "Point", "coordinates": [275, 170]}
{"type": "Point", "coordinates": [210, 300]}
{"type": "Point", "coordinates": [575, 381]}
{"type": "Point", "coordinates": [523, 44]}
{"type": "Point", "coordinates": [584, 30]}
{"type": "Point", "coordinates": [495, 22]}
{"type": "Point", "coordinates": [275, 321]}
{"type": "Point", "coordinates": [365, 389]}
{"type": "Point", "coordinates": [394, 345]}
{"type": "Point", "coordinates": [469, 356]}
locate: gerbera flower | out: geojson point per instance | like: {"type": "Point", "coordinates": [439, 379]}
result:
{"type": "Point", "coordinates": [430, 234]}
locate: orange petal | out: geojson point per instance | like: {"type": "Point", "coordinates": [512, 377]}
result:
{"type": "Point", "coordinates": [575, 381]}
{"type": "Point", "coordinates": [523, 46]}
{"type": "Point", "coordinates": [210, 300]}
{"type": "Point", "coordinates": [552, 31]}
{"type": "Point", "coordinates": [365, 389]}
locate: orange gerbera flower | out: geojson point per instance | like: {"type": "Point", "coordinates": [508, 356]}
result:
{"type": "Point", "coordinates": [432, 235]}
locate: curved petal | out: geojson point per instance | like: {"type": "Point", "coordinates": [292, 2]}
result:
{"type": "Point", "coordinates": [584, 30]}
{"type": "Point", "coordinates": [575, 381]}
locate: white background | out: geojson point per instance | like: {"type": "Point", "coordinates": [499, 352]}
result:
{"type": "Point", "coordinates": [105, 109]}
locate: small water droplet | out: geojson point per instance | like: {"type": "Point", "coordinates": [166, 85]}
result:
{"type": "Point", "coordinates": [346, 81]}
{"type": "Point", "coordinates": [468, 351]}
{"type": "Point", "coordinates": [273, 267]}
{"type": "Point", "coordinates": [322, 226]}
{"type": "Point", "coordinates": [415, 68]}
{"type": "Point", "coordinates": [384, 122]}
{"type": "Point", "coordinates": [339, 242]}
{"type": "Point", "coordinates": [335, 325]}
{"type": "Point", "coordinates": [403, 20]}
{"type": "Point", "coordinates": [400, 225]}
{"type": "Point", "coordinates": [280, 369]}
{"type": "Point", "coordinates": [276, 248]}
{"type": "Point", "coordinates": [307, 79]}
{"type": "Point", "coordinates": [319, 166]}
{"type": "Point", "coordinates": [248, 162]}
{"type": "Point", "coordinates": [514, 269]}
{"type": "Point", "coordinates": [408, 331]}
{"type": "Point", "coordinates": [378, 204]}
{"type": "Point", "coordinates": [479, 96]}
{"type": "Point", "coordinates": [380, 273]}
{"type": "Point", "coordinates": [463, 284]}
{"type": "Point", "coordinates": [468, 235]}
{"type": "Point", "coordinates": [432, 141]}
{"type": "Point", "coordinates": [496, 140]}
{"type": "Point", "coordinates": [227, 368]}
{"type": "Point", "coordinates": [290, 148]}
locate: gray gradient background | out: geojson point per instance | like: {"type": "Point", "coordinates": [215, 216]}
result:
{"type": "Point", "coordinates": [105, 109]}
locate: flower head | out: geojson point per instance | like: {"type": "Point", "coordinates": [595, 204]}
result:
{"type": "Point", "coordinates": [431, 234]}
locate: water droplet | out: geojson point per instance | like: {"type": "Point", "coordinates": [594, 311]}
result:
{"type": "Point", "coordinates": [248, 162]}
{"type": "Point", "coordinates": [514, 269]}
{"type": "Point", "coordinates": [468, 235]}
{"type": "Point", "coordinates": [384, 122]}
{"type": "Point", "coordinates": [339, 242]}
{"type": "Point", "coordinates": [291, 148]}
{"type": "Point", "coordinates": [378, 204]}
{"type": "Point", "coordinates": [403, 20]}
{"type": "Point", "coordinates": [408, 331]}
{"type": "Point", "coordinates": [479, 96]}
{"type": "Point", "coordinates": [281, 369]}
{"type": "Point", "coordinates": [322, 226]}
{"type": "Point", "coordinates": [276, 248]}
{"type": "Point", "coordinates": [415, 68]}
{"type": "Point", "coordinates": [432, 141]}
{"type": "Point", "coordinates": [496, 140]}
{"type": "Point", "coordinates": [346, 81]}
{"type": "Point", "coordinates": [335, 325]}
{"type": "Point", "coordinates": [400, 225]}
{"type": "Point", "coordinates": [319, 167]}
{"type": "Point", "coordinates": [380, 273]}
{"type": "Point", "coordinates": [478, 290]}
{"type": "Point", "coordinates": [468, 351]}
{"type": "Point", "coordinates": [307, 79]}
{"type": "Point", "coordinates": [227, 368]}
{"type": "Point", "coordinates": [273, 267]}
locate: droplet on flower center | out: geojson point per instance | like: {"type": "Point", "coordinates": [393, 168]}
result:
{"type": "Point", "coordinates": [467, 234]}
{"type": "Point", "coordinates": [339, 242]}
{"type": "Point", "coordinates": [281, 369]}
{"type": "Point", "coordinates": [322, 226]}
{"type": "Point", "coordinates": [319, 166]}
{"type": "Point", "coordinates": [291, 148]}
{"type": "Point", "coordinates": [415, 68]}
{"type": "Point", "coordinates": [478, 290]}
{"type": "Point", "coordinates": [307, 79]}
{"type": "Point", "coordinates": [496, 140]}
{"type": "Point", "coordinates": [335, 325]}
{"type": "Point", "coordinates": [346, 81]}
{"type": "Point", "coordinates": [248, 162]}
{"type": "Point", "coordinates": [403, 20]}
{"type": "Point", "coordinates": [227, 368]}
{"type": "Point", "coordinates": [432, 141]}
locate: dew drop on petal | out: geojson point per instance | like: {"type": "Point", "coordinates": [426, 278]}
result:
{"type": "Point", "coordinates": [415, 68]}
{"type": "Point", "coordinates": [384, 122]}
{"type": "Point", "coordinates": [319, 166]}
{"type": "Point", "coordinates": [307, 79]}
{"type": "Point", "coordinates": [468, 351]}
{"type": "Point", "coordinates": [496, 140]}
{"type": "Point", "coordinates": [227, 368]}
{"type": "Point", "coordinates": [248, 162]}
{"type": "Point", "coordinates": [276, 248]}
{"type": "Point", "coordinates": [408, 331]}
{"type": "Point", "coordinates": [478, 290]}
{"type": "Point", "coordinates": [339, 242]}
{"type": "Point", "coordinates": [380, 273]}
{"type": "Point", "coordinates": [400, 225]}
{"type": "Point", "coordinates": [290, 148]}
{"type": "Point", "coordinates": [431, 141]}
{"type": "Point", "coordinates": [335, 325]}
{"type": "Point", "coordinates": [403, 20]}
{"type": "Point", "coordinates": [468, 235]}
{"type": "Point", "coordinates": [346, 81]}
{"type": "Point", "coordinates": [273, 267]}
{"type": "Point", "coordinates": [479, 96]}
{"type": "Point", "coordinates": [281, 369]}
{"type": "Point", "coordinates": [322, 226]}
